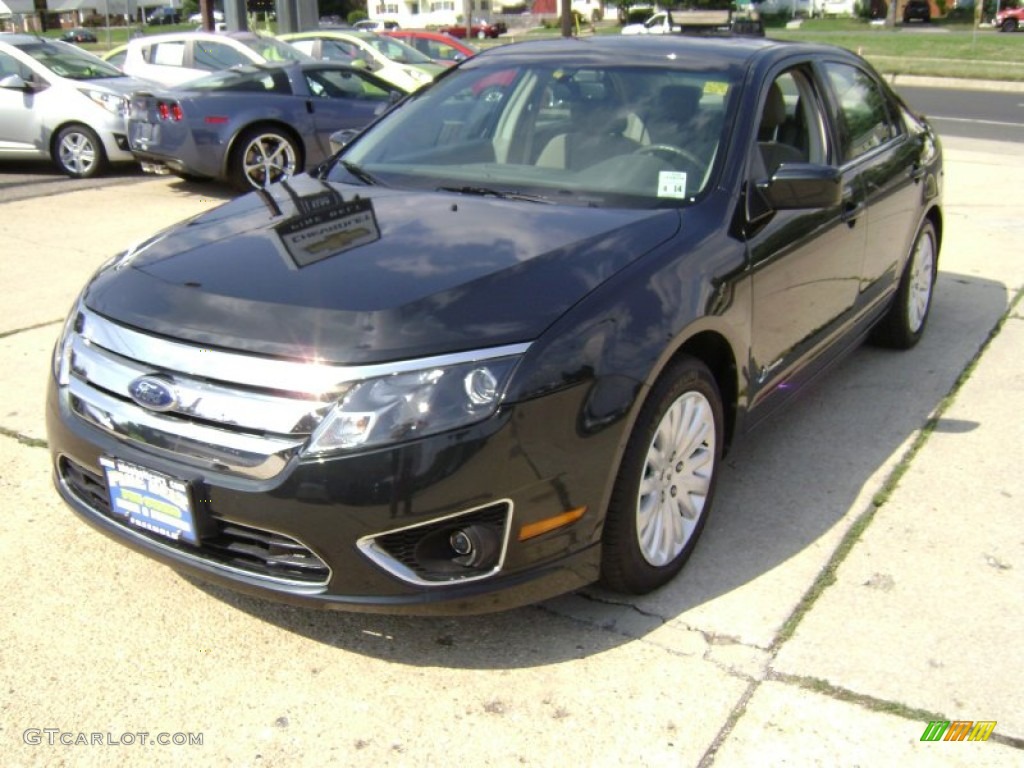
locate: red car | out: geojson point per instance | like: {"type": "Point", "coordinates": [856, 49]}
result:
{"type": "Point", "coordinates": [1009, 19]}
{"type": "Point", "coordinates": [481, 29]}
{"type": "Point", "coordinates": [442, 48]}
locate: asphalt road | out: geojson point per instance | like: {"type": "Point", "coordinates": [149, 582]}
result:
{"type": "Point", "coordinates": [990, 115]}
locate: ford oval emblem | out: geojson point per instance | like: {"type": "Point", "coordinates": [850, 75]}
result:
{"type": "Point", "coordinates": [154, 393]}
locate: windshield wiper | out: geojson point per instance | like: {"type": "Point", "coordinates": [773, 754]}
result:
{"type": "Point", "coordinates": [488, 192]}
{"type": "Point", "coordinates": [362, 174]}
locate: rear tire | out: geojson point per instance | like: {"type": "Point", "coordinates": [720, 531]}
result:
{"type": "Point", "coordinates": [263, 156]}
{"type": "Point", "coordinates": [78, 152]}
{"type": "Point", "coordinates": [666, 483]}
{"type": "Point", "coordinates": [903, 325]}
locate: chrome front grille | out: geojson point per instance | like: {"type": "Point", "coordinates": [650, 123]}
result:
{"type": "Point", "coordinates": [232, 413]}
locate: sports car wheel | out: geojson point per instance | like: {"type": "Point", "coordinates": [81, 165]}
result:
{"type": "Point", "coordinates": [903, 325]}
{"type": "Point", "coordinates": [664, 489]}
{"type": "Point", "coordinates": [262, 157]}
{"type": "Point", "coordinates": [78, 152]}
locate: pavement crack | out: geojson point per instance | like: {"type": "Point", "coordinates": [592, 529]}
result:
{"type": "Point", "coordinates": [31, 442]}
{"type": "Point", "coordinates": [37, 326]}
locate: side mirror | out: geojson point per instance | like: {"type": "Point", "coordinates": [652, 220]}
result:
{"type": "Point", "coordinates": [15, 83]}
{"type": "Point", "coordinates": [359, 64]}
{"type": "Point", "coordinates": [802, 185]}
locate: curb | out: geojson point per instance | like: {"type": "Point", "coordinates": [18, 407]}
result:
{"type": "Point", "coordinates": [953, 83]}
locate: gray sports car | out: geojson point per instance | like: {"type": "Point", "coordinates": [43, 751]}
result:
{"type": "Point", "coordinates": [253, 125]}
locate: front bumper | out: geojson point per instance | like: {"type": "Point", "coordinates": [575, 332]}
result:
{"type": "Point", "coordinates": [301, 536]}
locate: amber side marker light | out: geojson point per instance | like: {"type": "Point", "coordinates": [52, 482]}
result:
{"type": "Point", "coordinates": [532, 530]}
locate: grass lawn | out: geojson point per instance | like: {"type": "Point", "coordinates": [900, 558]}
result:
{"type": "Point", "coordinates": [935, 50]}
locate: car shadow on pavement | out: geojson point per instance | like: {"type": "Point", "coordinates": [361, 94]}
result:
{"type": "Point", "coordinates": [786, 495]}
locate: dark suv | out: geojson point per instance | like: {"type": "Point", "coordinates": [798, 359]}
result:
{"type": "Point", "coordinates": [164, 15]}
{"type": "Point", "coordinates": [917, 10]}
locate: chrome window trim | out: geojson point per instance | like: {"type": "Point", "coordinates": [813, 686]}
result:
{"type": "Point", "coordinates": [309, 377]}
{"type": "Point", "coordinates": [368, 546]}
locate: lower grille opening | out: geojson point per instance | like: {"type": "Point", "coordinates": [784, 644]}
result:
{"type": "Point", "coordinates": [242, 547]}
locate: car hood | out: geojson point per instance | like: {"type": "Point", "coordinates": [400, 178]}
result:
{"type": "Point", "coordinates": [354, 275]}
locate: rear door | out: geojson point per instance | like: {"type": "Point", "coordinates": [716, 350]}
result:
{"type": "Point", "coordinates": [875, 147]}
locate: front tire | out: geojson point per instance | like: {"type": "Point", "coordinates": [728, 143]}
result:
{"type": "Point", "coordinates": [78, 152]}
{"type": "Point", "coordinates": [666, 483]}
{"type": "Point", "coordinates": [263, 156]}
{"type": "Point", "coordinates": [1010, 25]}
{"type": "Point", "coordinates": [903, 325]}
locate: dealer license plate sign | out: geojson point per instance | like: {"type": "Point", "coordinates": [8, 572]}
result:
{"type": "Point", "coordinates": [150, 500]}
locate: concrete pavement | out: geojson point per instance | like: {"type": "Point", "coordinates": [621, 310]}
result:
{"type": "Point", "coordinates": [861, 577]}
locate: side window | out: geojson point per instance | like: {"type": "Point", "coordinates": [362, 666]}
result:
{"type": "Point", "coordinates": [336, 50]}
{"type": "Point", "coordinates": [11, 66]}
{"type": "Point", "coordinates": [331, 84]}
{"type": "Point", "coordinates": [866, 120]}
{"type": "Point", "coordinates": [165, 54]}
{"type": "Point", "coordinates": [791, 129]}
{"type": "Point", "coordinates": [216, 56]}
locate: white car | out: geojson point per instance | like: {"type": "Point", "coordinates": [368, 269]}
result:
{"type": "Point", "coordinates": [62, 103]}
{"type": "Point", "coordinates": [394, 61]}
{"type": "Point", "coordinates": [178, 57]}
{"type": "Point", "coordinates": [197, 18]}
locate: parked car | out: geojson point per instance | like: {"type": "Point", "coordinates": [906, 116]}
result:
{"type": "Point", "coordinates": [61, 103]}
{"type": "Point", "coordinates": [197, 18]}
{"type": "Point", "coordinates": [255, 124]}
{"type": "Point", "coordinates": [391, 59]}
{"type": "Point", "coordinates": [496, 348]}
{"type": "Point", "coordinates": [1009, 19]}
{"type": "Point", "coordinates": [116, 56]}
{"type": "Point", "coordinates": [377, 25]}
{"type": "Point", "coordinates": [178, 57]}
{"type": "Point", "coordinates": [480, 29]}
{"type": "Point", "coordinates": [78, 35]}
{"type": "Point", "coordinates": [438, 47]}
{"type": "Point", "coordinates": [917, 10]}
{"type": "Point", "coordinates": [164, 15]}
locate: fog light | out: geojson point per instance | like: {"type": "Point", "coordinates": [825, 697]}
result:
{"type": "Point", "coordinates": [475, 546]}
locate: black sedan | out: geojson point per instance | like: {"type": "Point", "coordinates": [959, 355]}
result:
{"type": "Point", "coordinates": [496, 349]}
{"type": "Point", "coordinates": [256, 124]}
{"type": "Point", "coordinates": [79, 35]}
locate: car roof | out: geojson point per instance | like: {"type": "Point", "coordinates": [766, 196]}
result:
{"type": "Point", "coordinates": [194, 35]}
{"type": "Point", "coordinates": [722, 51]}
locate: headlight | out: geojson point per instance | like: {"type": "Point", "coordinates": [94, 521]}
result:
{"type": "Point", "coordinates": [62, 350]}
{"type": "Point", "coordinates": [112, 102]}
{"type": "Point", "coordinates": [404, 406]}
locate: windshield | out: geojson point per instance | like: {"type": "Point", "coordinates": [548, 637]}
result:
{"type": "Point", "coordinates": [395, 50]}
{"type": "Point", "coordinates": [276, 50]}
{"type": "Point", "coordinates": [596, 136]}
{"type": "Point", "coordinates": [69, 61]}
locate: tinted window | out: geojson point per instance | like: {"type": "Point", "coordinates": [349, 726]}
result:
{"type": "Point", "coordinates": [866, 121]}
{"type": "Point", "coordinates": [248, 79]}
